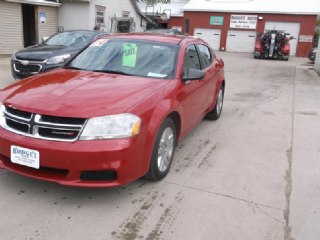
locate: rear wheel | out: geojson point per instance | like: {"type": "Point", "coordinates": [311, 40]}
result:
{"type": "Point", "coordinates": [163, 151]}
{"type": "Point", "coordinates": [216, 112]}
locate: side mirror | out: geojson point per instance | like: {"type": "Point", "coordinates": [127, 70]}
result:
{"type": "Point", "coordinates": [44, 39]}
{"type": "Point", "coordinates": [221, 62]}
{"type": "Point", "coordinates": [192, 74]}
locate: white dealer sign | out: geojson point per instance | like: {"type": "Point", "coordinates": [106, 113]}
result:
{"type": "Point", "coordinates": [243, 21]}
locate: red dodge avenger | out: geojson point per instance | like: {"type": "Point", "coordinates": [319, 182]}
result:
{"type": "Point", "coordinates": [113, 114]}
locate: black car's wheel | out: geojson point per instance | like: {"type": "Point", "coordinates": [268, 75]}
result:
{"type": "Point", "coordinates": [216, 112]}
{"type": "Point", "coordinates": [163, 151]}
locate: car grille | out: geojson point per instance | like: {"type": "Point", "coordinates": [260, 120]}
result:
{"type": "Point", "coordinates": [43, 126]}
{"type": "Point", "coordinates": [26, 69]}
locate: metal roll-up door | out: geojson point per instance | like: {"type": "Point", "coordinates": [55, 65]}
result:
{"type": "Point", "coordinates": [11, 33]}
{"type": "Point", "coordinates": [287, 27]}
{"type": "Point", "coordinates": [211, 36]}
{"type": "Point", "coordinates": [241, 41]}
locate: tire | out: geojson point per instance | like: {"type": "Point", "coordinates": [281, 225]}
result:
{"type": "Point", "coordinates": [216, 112]}
{"type": "Point", "coordinates": [163, 151]}
{"type": "Point", "coordinates": [286, 58]}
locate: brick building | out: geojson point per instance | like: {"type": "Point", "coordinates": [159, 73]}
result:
{"type": "Point", "coordinates": [232, 25]}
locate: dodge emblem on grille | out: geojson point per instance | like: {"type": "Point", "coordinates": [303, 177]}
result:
{"type": "Point", "coordinates": [63, 133]}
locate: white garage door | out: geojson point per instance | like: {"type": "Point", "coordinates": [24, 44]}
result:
{"type": "Point", "coordinates": [292, 28]}
{"type": "Point", "coordinates": [241, 41]}
{"type": "Point", "coordinates": [211, 36]}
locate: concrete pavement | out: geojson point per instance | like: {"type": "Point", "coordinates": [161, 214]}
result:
{"type": "Point", "coordinates": [253, 174]}
{"type": "Point", "coordinates": [304, 204]}
{"type": "Point", "coordinates": [5, 72]}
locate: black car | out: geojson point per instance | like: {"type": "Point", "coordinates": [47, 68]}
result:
{"type": "Point", "coordinates": [52, 53]}
{"type": "Point", "coordinates": [312, 54]}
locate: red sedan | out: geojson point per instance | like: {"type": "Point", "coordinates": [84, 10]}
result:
{"type": "Point", "coordinates": [113, 114]}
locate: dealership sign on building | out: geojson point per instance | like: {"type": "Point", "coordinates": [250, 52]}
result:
{"type": "Point", "coordinates": [216, 20]}
{"type": "Point", "coordinates": [306, 38]}
{"type": "Point", "coordinates": [243, 21]}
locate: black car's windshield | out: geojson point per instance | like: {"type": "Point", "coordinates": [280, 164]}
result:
{"type": "Point", "coordinates": [70, 39]}
{"type": "Point", "coordinates": [128, 57]}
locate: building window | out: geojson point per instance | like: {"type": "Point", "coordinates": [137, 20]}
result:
{"type": "Point", "coordinates": [186, 25]}
{"type": "Point", "coordinates": [124, 26]}
{"type": "Point", "coordinates": [100, 10]}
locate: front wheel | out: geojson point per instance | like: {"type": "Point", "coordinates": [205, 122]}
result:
{"type": "Point", "coordinates": [216, 112]}
{"type": "Point", "coordinates": [163, 151]}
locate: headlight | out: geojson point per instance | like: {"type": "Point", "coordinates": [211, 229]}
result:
{"type": "Point", "coordinates": [2, 118]}
{"type": "Point", "coordinates": [113, 126]}
{"type": "Point", "coordinates": [57, 59]}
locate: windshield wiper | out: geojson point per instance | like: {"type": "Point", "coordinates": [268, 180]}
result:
{"type": "Point", "coordinates": [113, 71]}
{"type": "Point", "coordinates": [74, 68]}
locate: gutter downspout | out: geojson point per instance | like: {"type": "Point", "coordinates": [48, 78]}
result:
{"type": "Point", "coordinates": [138, 10]}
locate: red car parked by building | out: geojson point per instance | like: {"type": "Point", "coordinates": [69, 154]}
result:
{"type": "Point", "coordinates": [113, 114]}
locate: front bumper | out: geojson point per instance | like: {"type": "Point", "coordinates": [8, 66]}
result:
{"type": "Point", "coordinates": [21, 69]}
{"type": "Point", "coordinates": [71, 163]}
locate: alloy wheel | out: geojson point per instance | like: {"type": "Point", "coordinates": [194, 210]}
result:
{"type": "Point", "coordinates": [220, 101]}
{"type": "Point", "coordinates": [165, 149]}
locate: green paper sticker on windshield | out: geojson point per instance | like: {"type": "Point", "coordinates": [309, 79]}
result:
{"type": "Point", "coordinates": [129, 55]}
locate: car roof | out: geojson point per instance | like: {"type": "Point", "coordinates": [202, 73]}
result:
{"type": "Point", "coordinates": [93, 32]}
{"type": "Point", "coordinates": [165, 38]}
{"type": "Point", "coordinates": [163, 30]}
{"type": "Point", "coordinates": [160, 30]}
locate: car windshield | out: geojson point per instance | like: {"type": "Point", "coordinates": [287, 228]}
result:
{"type": "Point", "coordinates": [70, 39]}
{"type": "Point", "coordinates": [128, 57]}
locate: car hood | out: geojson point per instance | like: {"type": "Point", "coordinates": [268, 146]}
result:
{"type": "Point", "coordinates": [73, 93]}
{"type": "Point", "coordinates": [42, 52]}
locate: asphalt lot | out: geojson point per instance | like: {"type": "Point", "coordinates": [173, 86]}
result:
{"type": "Point", "coordinates": [253, 174]}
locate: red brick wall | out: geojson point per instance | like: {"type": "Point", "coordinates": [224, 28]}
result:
{"type": "Point", "coordinates": [176, 21]}
{"type": "Point", "coordinates": [202, 20]}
